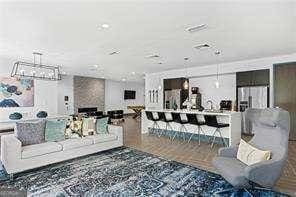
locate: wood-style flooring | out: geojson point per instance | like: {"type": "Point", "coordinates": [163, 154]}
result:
{"type": "Point", "coordinates": [195, 155]}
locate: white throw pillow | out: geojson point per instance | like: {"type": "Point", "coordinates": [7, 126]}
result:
{"type": "Point", "coordinates": [249, 155]}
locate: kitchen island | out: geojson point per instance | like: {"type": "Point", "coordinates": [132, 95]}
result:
{"type": "Point", "coordinates": [231, 134]}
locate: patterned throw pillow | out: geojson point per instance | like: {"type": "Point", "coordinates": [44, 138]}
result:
{"type": "Point", "coordinates": [102, 125]}
{"type": "Point", "coordinates": [30, 132]}
{"type": "Point", "coordinates": [88, 126]}
{"type": "Point", "coordinates": [250, 155]}
{"type": "Point", "coordinates": [55, 130]}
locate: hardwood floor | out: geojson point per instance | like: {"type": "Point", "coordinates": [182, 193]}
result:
{"type": "Point", "coordinates": [198, 156]}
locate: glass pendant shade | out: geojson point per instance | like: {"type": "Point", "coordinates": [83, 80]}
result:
{"type": "Point", "coordinates": [217, 84]}
{"type": "Point", "coordinates": [186, 84]}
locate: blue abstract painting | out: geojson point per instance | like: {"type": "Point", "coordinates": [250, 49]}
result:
{"type": "Point", "coordinates": [15, 92]}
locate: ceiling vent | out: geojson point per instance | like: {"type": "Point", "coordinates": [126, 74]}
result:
{"type": "Point", "coordinates": [202, 46]}
{"type": "Point", "coordinates": [153, 56]}
{"type": "Point", "coordinates": [196, 28]}
{"type": "Point", "coordinates": [114, 53]}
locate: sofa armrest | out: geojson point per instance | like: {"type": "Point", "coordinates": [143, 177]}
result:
{"type": "Point", "coordinates": [116, 130]}
{"type": "Point", "coordinates": [11, 149]}
{"type": "Point", "coordinates": [228, 151]}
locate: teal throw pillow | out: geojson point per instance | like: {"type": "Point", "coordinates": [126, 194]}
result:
{"type": "Point", "coordinates": [55, 130]}
{"type": "Point", "coordinates": [102, 125]}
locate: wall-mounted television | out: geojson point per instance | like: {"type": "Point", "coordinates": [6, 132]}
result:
{"type": "Point", "coordinates": [129, 94]}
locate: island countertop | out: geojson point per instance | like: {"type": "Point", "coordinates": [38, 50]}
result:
{"type": "Point", "coordinates": [232, 133]}
{"type": "Point", "coordinates": [222, 113]}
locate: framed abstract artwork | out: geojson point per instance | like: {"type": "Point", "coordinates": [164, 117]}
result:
{"type": "Point", "coordinates": [16, 92]}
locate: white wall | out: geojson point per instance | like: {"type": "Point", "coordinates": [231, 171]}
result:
{"type": "Point", "coordinates": [114, 95]}
{"type": "Point", "coordinates": [207, 88]}
{"type": "Point", "coordinates": [153, 80]}
{"type": "Point", "coordinates": [45, 98]}
{"type": "Point", "coordinates": [65, 88]}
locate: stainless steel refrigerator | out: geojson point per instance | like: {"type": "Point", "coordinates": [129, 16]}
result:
{"type": "Point", "coordinates": [255, 97]}
{"type": "Point", "coordinates": [252, 97]}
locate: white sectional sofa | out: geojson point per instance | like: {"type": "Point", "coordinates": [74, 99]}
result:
{"type": "Point", "coordinates": [17, 158]}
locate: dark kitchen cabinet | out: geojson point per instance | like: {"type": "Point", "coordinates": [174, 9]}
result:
{"type": "Point", "coordinates": [261, 77]}
{"type": "Point", "coordinates": [172, 84]}
{"type": "Point", "coordinates": [252, 78]}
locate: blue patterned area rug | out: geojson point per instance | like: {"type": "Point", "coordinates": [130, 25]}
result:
{"type": "Point", "coordinates": [120, 172]}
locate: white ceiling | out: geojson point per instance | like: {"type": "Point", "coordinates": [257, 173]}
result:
{"type": "Point", "coordinates": [69, 33]}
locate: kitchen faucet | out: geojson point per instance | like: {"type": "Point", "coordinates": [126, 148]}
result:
{"type": "Point", "coordinates": [211, 102]}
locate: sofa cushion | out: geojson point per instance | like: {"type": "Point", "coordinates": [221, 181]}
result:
{"type": "Point", "coordinates": [55, 130]}
{"type": "Point", "coordinates": [102, 125]}
{"type": "Point", "coordinates": [88, 126]}
{"type": "Point", "coordinates": [30, 132]}
{"type": "Point", "coordinates": [231, 169]}
{"type": "Point", "coordinates": [75, 143]}
{"type": "Point", "coordinates": [40, 149]}
{"type": "Point", "coordinates": [102, 138]}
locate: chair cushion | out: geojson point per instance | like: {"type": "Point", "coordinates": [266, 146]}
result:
{"type": "Point", "coordinates": [55, 130]}
{"type": "Point", "coordinates": [40, 149]}
{"type": "Point", "coordinates": [232, 170]}
{"type": "Point", "coordinates": [30, 132]}
{"type": "Point", "coordinates": [102, 138]}
{"type": "Point", "coordinates": [75, 143]}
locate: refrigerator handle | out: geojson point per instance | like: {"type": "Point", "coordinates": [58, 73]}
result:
{"type": "Point", "coordinates": [250, 102]}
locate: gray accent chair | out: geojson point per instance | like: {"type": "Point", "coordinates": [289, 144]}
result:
{"type": "Point", "coordinates": [271, 133]}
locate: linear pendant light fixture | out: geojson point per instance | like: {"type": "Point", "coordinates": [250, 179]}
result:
{"type": "Point", "coordinates": [36, 70]}
{"type": "Point", "coordinates": [186, 82]}
{"type": "Point", "coordinates": [217, 83]}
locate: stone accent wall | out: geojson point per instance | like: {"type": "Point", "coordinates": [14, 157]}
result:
{"type": "Point", "coordinates": [89, 92]}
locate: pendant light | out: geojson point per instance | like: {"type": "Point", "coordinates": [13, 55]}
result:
{"type": "Point", "coordinates": [36, 70]}
{"type": "Point", "coordinates": [186, 82]}
{"type": "Point", "coordinates": [217, 83]}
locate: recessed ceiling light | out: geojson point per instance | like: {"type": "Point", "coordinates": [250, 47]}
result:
{"type": "Point", "coordinates": [124, 79]}
{"type": "Point", "coordinates": [217, 52]}
{"type": "Point", "coordinates": [196, 28]}
{"type": "Point", "coordinates": [96, 66]}
{"type": "Point", "coordinates": [105, 25]}
{"type": "Point", "coordinates": [133, 73]}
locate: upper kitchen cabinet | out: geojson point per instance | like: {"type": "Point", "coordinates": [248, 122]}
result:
{"type": "Point", "coordinates": [261, 77]}
{"type": "Point", "coordinates": [173, 84]}
{"type": "Point", "coordinates": [253, 78]}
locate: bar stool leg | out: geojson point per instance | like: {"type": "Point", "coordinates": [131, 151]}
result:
{"type": "Point", "coordinates": [192, 134]}
{"type": "Point", "coordinates": [214, 135]}
{"type": "Point", "coordinates": [200, 132]}
{"type": "Point", "coordinates": [223, 140]}
{"type": "Point", "coordinates": [151, 129]}
{"type": "Point", "coordinates": [184, 131]}
{"type": "Point", "coordinates": [168, 126]}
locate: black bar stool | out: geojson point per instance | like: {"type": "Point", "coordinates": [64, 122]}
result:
{"type": "Point", "coordinates": [178, 119]}
{"type": "Point", "coordinates": [150, 117]}
{"type": "Point", "coordinates": [211, 121]}
{"type": "Point", "coordinates": [164, 118]}
{"type": "Point", "coordinates": [192, 119]}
